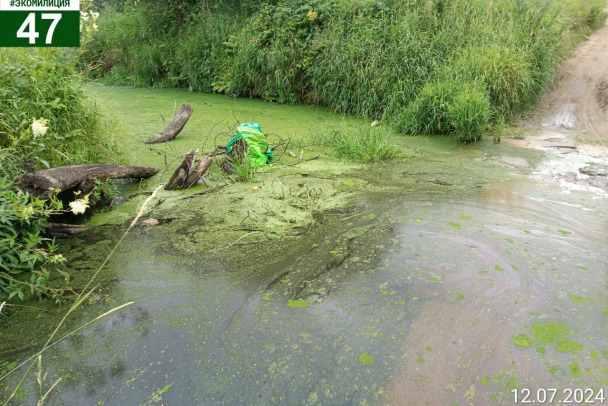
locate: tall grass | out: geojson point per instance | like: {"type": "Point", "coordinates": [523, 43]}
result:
{"type": "Point", "coordinates": [365, 144]}
{"type": "Point", "coordinates": [371, 58]}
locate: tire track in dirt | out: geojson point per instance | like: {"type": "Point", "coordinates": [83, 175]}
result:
{"type": "Point", "coordinates": [577, 107]}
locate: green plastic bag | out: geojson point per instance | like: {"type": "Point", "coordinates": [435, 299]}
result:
{"type": "Point", "coordinates": [257, 145]}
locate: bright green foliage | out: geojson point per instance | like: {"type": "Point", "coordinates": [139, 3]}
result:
{"type": "Point", "coordinates": [42, 84]}
{"type": "Point", "coordinates": [469, 114]}
{"type": "Point", "coordinates": [362, 145]}
{"type": "Point", "coordinates": [46, 120]}
{"type": "Point", "coordinates": [26, 257]}
{"type": "Point", "coordinates": [448, 106]}
{"type": "Point", "coordinates": [452, 67]}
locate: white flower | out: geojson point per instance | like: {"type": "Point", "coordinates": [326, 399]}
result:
{"type": "Point", "coordinates": [57, 259]}
{"type": "Point", "coordinates": [27, 212]}
{"type": "Point", "coordinates": [94, 27]}
{"type": "Point", "coordinates": [39, 127]}
{"type": "Point", "coordinates": [78, 206]}
{"type": "Point", "coordinates": [94, 15]}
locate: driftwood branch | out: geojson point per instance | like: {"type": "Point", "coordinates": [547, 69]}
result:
{"type": "Point", "coordinates": [187, 174]}
{"type": "Point", "coordinates": [174, 127]}
{"type": "Point", "coordinates": [77, 177]}
{"type": "Point", "coordinates": [182, 172]}
{"type": "Point", "coordinates": [204, 192]}
{"type": "Point", "coordinates": [203, 164]}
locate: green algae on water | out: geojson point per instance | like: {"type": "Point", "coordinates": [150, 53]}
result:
{"type": "Point", "coordinates": [366, 359]}
{"type": "Point", "coordinates": [575, 370]}
{"type": "Point", "coordinates": [498, 268]}
{"type": "Point", "coordinates": [564, 232]}
{"type": "Point", "coordinates": [548, 333]}
{"type": "Point", "coordinates": [297, 304]}
{"type": "Point", "coordinates": [522, 340]}
{"type": "Point", "coordinates": [565, 345]}
{"type": "Point", "coordinates": [577, 299]}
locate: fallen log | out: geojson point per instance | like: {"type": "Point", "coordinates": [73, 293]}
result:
{"type": "Point", "coordinates": [61, 229]}
{"type": "Point", "coordinates": [77, 177]}
{"type": "Point", "coordinates": [174, 127]}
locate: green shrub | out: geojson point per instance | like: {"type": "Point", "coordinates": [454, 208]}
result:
{"type": "Point", "coordinates": [448, 106]}
{"type": "Point", "coordinates": [27, 259]}
{"type": "Point", "coordinates": [205, 51]}
{"type": "Point", "coordinates": [469, 114]}
{"type": "Point", "coordinates": [46, 120]}
{"type": "Point", "coordinates": [428, 114]}
{"type": "Point", "coordinates": [506, 74]}
{"type": "Point", "coordinates": [41, 84]}
{"type": "Point", "coordinates": [373, 58]}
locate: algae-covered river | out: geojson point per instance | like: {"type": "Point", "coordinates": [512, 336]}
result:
{"type": "Point", "coordinates": [454, 276]}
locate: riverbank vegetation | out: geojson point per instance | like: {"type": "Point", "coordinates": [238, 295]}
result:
{"type": "Point", "coordinates": [46, 119]}
{"type": "Point", "coordinates": [427, 66]}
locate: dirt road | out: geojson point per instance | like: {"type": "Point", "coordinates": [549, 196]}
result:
{"type": "Point", "coordinates": [575, 111]}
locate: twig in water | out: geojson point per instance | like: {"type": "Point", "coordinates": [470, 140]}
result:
{"type": "Point", "coordinates": [204, 192]}
{"type": "Point", "coordinates": [305, 160]}
{"type": "Point", "coordinates": [245, 235]}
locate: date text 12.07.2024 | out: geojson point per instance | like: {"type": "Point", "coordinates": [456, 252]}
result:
{"type": "Point", "coordinates": [552, 396]}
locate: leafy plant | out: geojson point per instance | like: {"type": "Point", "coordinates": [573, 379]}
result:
{"type": "Point", "coordinates": [373, 58]}
{"type": "Point", "coordinates": [27, 258]}
{"type": "Point", "coordinates": [40, 85]}
{"type": "Point", "coordinates": [241, 167]}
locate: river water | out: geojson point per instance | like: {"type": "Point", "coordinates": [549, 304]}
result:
{"type": "Point", "coordinates": [397, 300]}
{"type": "Point", "coordinates": [408, 301]}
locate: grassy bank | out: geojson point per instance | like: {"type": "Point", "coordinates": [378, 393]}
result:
{"type": "Point", "coordinates": [453, 67]}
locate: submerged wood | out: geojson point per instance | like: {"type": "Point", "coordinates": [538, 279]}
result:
{"type": "Point", "coordinates": [77, 177]}
{"type": "Point", "coordinates": [61, 229]}
{"type": "Point", "coordinates": [174, 127]}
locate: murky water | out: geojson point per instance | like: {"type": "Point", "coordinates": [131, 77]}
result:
{"type": "Point", "coordinates": [448, 288]}
{"type": "Point", "coordinates": [400, 301]}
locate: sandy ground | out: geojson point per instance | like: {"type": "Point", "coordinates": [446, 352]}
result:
{"type": "Point", "coordinates": [571, 121]}
{"type": "Point", "coordinates": [573, 115]}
